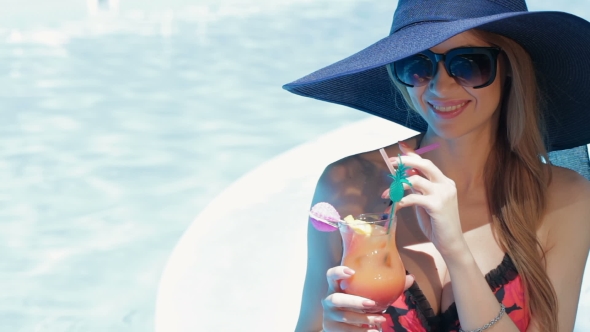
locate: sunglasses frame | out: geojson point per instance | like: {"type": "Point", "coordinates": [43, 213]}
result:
{"type": "Point", "coordinates": [435, 58]}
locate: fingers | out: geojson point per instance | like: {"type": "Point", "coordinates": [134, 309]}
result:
{"type": "Point", "coordinates": [336, 301]}
{"type": "Point", "coordinates": [346, 317]}
{"type": "Point", "coordinates": [425, 202]}
{"type": "Point", "coordinates": [344, 312]}
{"type": "Point", "coordinates": [419, 184]}
{"type": "Point", "coordinates": [334, 275]}
{"type": "Point", "coordinates": [420, 166]}
{"type": "Point", "coordinates": [332, 326]}
{"type": "Point", "coordinates": [405, 148]}
{"type": "Point", "coordinates": [343, 327]}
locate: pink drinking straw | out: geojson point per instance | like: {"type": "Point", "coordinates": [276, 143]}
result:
{"type": "Point", "coordinates": [427, 148]}
{"type": "Point", "coordinates": [386, 158]}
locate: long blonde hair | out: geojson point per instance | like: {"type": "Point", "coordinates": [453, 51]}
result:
{"type": "Point", "coordinates": [517, 178]}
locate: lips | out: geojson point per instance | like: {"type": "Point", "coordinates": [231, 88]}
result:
{"type": "Point", "coordinates": [447, 110]}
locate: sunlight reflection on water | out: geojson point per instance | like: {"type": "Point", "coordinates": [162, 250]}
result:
{"type": "Point", "coordinates": [120, 125]}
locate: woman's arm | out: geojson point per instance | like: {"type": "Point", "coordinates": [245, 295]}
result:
{"type": "Point", "coordinates": [568, 242]}
{"type": "Point", "coordinates": [476, 303]}
{"type": "Point", "coordinates": [351, 186]}
{"type": "Point", "coordinates": [324, 250]}
{"type": "Point", "coordinates": [567, 246]}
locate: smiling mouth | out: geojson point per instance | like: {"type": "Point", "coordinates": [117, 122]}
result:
{"type": "Point", "coordinates": [447, 108]}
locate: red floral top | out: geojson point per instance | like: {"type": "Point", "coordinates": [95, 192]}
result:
{"type": "Point", "coordinates": [412, 312]}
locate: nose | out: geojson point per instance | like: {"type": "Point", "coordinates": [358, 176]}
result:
{"type": "Point", "coordinates": [441, 82]}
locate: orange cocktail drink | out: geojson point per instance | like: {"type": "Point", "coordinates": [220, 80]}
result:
{"type": "Point", "coordinates": [371, 252]}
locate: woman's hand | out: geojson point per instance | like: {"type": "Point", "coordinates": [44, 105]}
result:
{"type": "Point", "coordinates": [434, 197]}
{"type": "Point", "coordinates": [344, 312]}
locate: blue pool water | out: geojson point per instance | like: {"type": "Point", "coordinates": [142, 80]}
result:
{"type": "Point", "coordinates": [118, 124]}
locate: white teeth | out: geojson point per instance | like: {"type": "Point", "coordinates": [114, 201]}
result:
{"type": "Point", "coordinates": [447, 108]}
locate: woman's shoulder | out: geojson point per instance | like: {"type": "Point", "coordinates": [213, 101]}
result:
{"type": "Point", "coordinates": [343, 183]}
{"type": "Point", "coordinates": [350, 183]}
{"type": "Point", "coordinates": [365, 161]}
{"type": "Point", "coordinates": [568, 205]}
{"type": "Point", "coordinates": [568, 186]}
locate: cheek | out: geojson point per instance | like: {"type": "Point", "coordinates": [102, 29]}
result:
{"type": "Point", "coordinates": [416, 97]}
{"type": "Point", "coordinates": [488, 98]}
{"type": "Point", "coordinates": [491, 99]}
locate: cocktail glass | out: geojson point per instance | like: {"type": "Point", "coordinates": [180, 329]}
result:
{"type": "Point", "coordinates": [371, 252]}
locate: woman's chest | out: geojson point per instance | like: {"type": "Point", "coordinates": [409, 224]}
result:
{"type": "Point", "coordinates": [421, 258]}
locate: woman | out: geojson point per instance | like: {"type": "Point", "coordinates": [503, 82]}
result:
{"type": "Point", "coordinates": [494, 236]}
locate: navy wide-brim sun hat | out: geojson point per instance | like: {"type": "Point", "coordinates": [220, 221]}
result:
{"type": "Point", "coordinates": [558, 43]}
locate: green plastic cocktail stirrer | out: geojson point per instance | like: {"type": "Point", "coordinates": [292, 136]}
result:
{"type": "Point", "coordinates": [396, 189]}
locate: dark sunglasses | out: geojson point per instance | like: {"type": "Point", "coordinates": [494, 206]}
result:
{"type": "Point", "coordinates": [473, 67]}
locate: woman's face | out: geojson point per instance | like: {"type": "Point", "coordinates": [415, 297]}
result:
{"type": "Point", "coordinates": [452, 110]}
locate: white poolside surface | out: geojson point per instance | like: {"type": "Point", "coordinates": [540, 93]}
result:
{"type": "Point", "coordinates": [240, 266]}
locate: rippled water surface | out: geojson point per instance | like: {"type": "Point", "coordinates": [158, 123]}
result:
{"type": "Point", "coordinates": [119, 124]}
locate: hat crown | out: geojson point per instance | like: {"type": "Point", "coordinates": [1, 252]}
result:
{"type": "Point", "coordinates": [410, 12]}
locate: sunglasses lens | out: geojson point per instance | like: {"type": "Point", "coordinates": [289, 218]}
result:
{"type": "Point", "coordinates": [416, 70]}
{"type": "Point", "coordinates": [471, 69]}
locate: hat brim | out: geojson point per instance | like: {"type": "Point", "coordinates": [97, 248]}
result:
{"type": "Point", "coordinates": [558, 42]}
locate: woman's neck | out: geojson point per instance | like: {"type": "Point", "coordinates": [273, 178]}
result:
{"type": "Point", "coordinates": [461, 159]}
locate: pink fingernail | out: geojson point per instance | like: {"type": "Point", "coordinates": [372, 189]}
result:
{"type": "Point", "coordinates": [349, 271]}
{"type": "Point", "coordinates": [368, 303]}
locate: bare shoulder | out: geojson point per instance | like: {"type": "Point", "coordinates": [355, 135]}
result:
{"type": "Point", "coordinates": [568, 207]}
{"type": "Point", "coordinates": [354, 184]}
{"type": "Point", "coordinates": [347, 183]}
{"type": "Point", "coordinates": [569, 191]}
{"type": "Point", "coordinates": [562, 174]}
